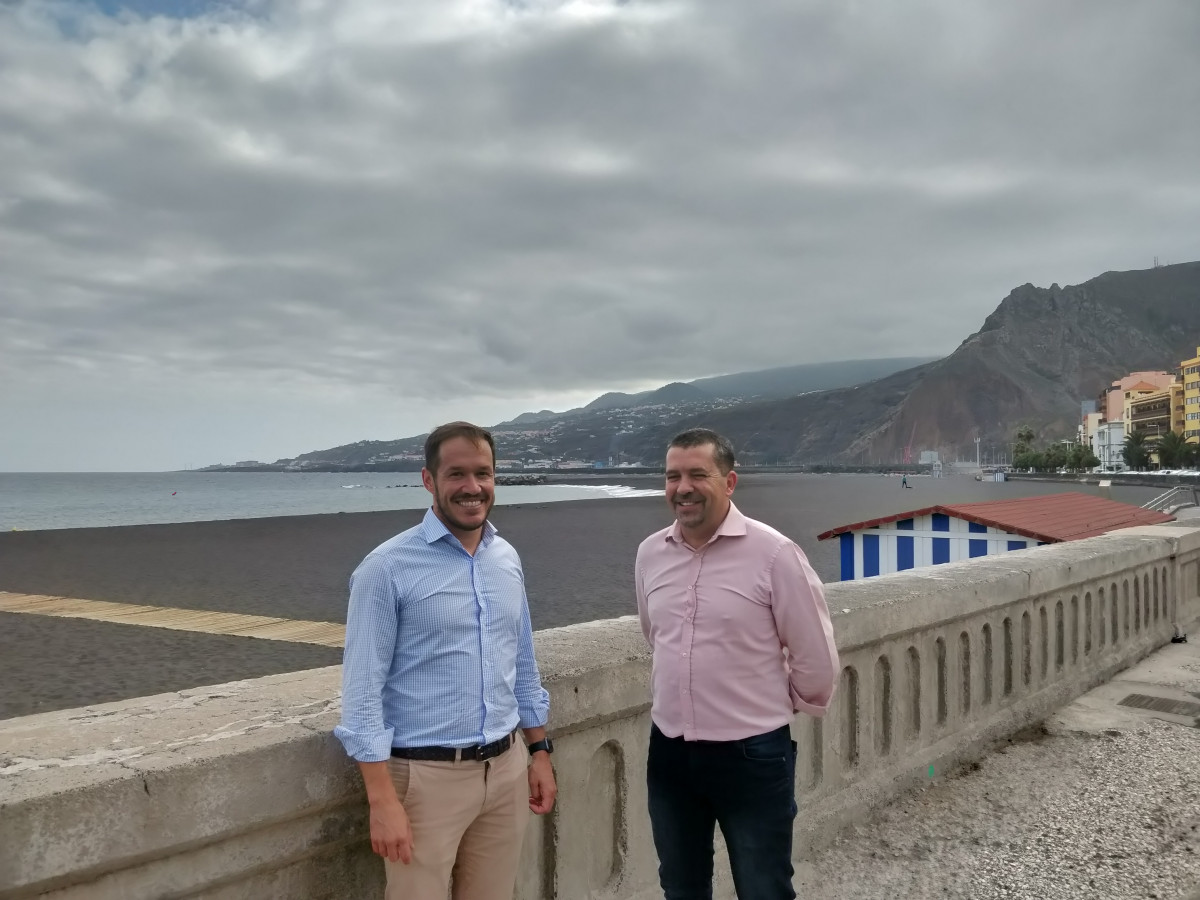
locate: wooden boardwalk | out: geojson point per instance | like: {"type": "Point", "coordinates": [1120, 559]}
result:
{"type": "Point", "coordinates": [328, 634]}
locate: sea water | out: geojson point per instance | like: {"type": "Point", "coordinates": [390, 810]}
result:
{"type": "Point", "coordinates": [30, 501]}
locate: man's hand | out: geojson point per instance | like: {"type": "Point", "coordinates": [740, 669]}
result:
{"type": "Point", "coordinates": [542, 789]}
{"type": "Point", "coordinates": [391, 832]}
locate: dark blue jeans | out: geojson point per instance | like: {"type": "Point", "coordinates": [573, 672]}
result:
{"type": "Point", "coordinates": [747, 787]}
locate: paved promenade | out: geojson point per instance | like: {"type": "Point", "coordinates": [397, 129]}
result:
{"type": "Point", "coordinates": [1103, 803]}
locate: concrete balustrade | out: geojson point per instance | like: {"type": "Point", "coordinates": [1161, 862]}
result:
{"type": "Point", "coordinates": [239, 791]}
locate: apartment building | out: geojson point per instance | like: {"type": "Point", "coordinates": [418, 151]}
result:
{"type": "Point", "coordinates": [1190, 368]}
{"type": "Point", "coordinates": [1111, 401]}
{"type": "Point", "coordinates": [1146, 407]}
{"type": "Point", "coordinates": [1154, 415]}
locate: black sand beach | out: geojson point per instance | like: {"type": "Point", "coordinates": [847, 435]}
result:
{"type": "Point", "coordinates": [48, 663]}
{"type": "Point", "coordinates": [577, 555]}
{"type": "Point", "coordinates": [578, 558]}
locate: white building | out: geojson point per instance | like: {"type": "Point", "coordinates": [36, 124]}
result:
{"type": "Point", "coordinates": [949, 533]}
{"type": "Point", "coordinates": [1107, 444]}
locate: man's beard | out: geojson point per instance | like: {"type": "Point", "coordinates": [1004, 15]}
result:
{"type": "Point", "coordinates": [449, 514]}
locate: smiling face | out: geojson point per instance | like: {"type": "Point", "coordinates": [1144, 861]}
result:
{"type": "Point", "coordinates": [698, 491]}
{"type": "Point", "coordinates": [463, 487]}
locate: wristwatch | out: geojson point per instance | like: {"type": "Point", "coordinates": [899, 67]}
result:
{"type": "Point", "coordinates": [544, 744]}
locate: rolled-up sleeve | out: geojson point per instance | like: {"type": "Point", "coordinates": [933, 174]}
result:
{"type": "Point", "coordinates": [372, 622]}
{"type": "Point", "coordinates": [802, 620]}
{"type": "Point", "coordinates": [533, 701]}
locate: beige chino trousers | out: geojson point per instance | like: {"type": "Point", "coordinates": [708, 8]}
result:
{"type": "Point", "coordinates": [468, 820]}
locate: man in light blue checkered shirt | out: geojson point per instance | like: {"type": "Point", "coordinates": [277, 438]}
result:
{"type": "Point", "coordinates": [438, 675]}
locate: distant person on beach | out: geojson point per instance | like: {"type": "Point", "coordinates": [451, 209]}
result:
{"type": "Point", "coordinates": [741, 641]}
{"type": "Point", "coordinates": [903, 481]}
{"type": "Point", "coordinates": [439, 674]}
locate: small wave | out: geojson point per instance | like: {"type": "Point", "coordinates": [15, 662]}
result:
{"type": "Point", "coordinates": [614, 490]}
{"type": "Point", "coordinates": [349, 486]}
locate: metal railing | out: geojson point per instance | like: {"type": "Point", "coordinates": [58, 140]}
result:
{"type": "Point", "coordinates": [1176, 498]}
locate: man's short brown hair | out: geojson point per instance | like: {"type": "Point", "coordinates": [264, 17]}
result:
{"type": "Point", "coordinates": [443, 433]}
{"type": "Point", "coordinates": [700, 437]}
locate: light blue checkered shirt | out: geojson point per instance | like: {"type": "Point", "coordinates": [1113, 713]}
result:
{"type": "Point", "coordinates": [439, 649]}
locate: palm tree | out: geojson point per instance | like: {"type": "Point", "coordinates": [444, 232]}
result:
{"type": "Point", "coordinates": [1174, 452]}
{"type": "Point", "coordinates": [1135, 453]}
{"type": "Point", "coordinates": [1024, 438]}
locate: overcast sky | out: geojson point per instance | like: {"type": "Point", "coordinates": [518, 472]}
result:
{"type": "Point", "coordinates": [251, 230]}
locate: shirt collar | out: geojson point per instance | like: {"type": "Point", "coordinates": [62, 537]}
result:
{"type": "Point", "coordinates": [733, 526]}
{"type": "Point", "coordinates": [434, 529]}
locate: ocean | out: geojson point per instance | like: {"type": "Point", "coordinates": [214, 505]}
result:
{"type": "Point", "coordinates": [37, 501]}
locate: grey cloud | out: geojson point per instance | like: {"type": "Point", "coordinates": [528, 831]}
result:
{"type": "Point", "coordinates": [338, 195]}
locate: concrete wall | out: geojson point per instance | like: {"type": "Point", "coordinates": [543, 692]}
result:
{"type": "Point", "coordinates": [239, 791]}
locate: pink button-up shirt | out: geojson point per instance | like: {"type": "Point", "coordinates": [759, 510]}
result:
{"type": "Point", "coordinates": [739, 629]}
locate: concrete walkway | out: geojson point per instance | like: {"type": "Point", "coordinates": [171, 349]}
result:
{"type": "Point", "coordinates": [1101, 802]}
{"type": "Point", "coordinates": [270, 628]}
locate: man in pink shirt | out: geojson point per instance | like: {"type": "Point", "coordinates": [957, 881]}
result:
{"type": "Point", "coordinates": [742, 641]}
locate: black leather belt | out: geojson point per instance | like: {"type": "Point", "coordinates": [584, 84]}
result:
{"type": "Point", "coordinates": [455, 754]}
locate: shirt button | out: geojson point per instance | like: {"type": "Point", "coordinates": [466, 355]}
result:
{"type": "Point", "coordinates": [684, 653]}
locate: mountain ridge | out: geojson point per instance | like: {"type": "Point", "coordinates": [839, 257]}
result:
{"type": "Point", "coordinates": [1035, 357]}
{"type": "Point", "coordinates": [774, 383]}
{"type": "Point", "coordinates": [630, 409]}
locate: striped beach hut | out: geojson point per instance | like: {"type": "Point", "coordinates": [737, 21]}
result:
{"type": "Point", "coordinates": [950, 532]}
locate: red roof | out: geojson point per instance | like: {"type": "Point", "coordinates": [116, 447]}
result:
{"type": "Point", "coordinates": [1052, 518]}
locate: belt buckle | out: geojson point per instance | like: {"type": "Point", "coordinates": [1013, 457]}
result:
{"type": "Point", "coordinates": [482, 752]}
{"type": "Point", "coordinates": [492, 750]}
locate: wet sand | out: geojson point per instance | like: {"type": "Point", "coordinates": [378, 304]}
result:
{"type": "Point", "coordinates": [577, 555]}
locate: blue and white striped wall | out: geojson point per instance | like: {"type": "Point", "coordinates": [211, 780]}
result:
{"type": "Point", "coordinates": [921, 541]}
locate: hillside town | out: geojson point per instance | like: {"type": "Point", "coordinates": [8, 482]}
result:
{"type": "Point", "coordinates": [587, 438]}
{"type": "Point", "coordinates": [1146, 420]}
